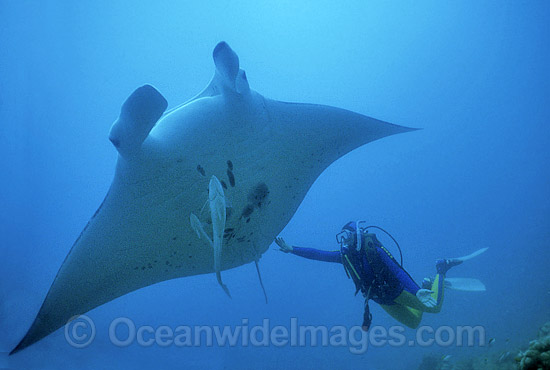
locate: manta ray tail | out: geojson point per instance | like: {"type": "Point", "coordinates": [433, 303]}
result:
{"type": "Point", "coordinates": [260, 278]}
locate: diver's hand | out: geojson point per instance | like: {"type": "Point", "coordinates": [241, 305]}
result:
{"type": "Point", "coordinates": [425, 296]}
{"type": "Point", "coordinates": [283, 245]}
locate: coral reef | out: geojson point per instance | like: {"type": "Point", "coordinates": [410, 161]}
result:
{"type": "Point", "coordinates": [537, 356]}
{"type": "Point", "coordinates": [498, 361]}
{"type": "Point", "coordinates": [544, 331]}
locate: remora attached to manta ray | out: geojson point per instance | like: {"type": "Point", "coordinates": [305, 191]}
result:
{"type": "Point", "coordinates": [265, 153]}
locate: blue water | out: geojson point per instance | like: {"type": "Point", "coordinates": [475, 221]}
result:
{"type": "Point", "coordinates": [473, 75]}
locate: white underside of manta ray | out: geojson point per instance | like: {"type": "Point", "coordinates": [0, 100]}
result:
{"type": "Point", "coordinates": [265, 155]}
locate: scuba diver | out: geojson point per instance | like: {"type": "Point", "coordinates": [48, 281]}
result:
{"type": "Point", "coordinates": [378, 275]}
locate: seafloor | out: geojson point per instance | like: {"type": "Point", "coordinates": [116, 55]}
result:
{"type": "Point", "coordinates": [535, 355]}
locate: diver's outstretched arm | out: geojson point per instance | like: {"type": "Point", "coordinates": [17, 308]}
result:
{"type": "Point", "coordinates": [310, 253]}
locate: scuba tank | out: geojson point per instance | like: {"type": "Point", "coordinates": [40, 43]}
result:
{"type": "Point", "coordinates": [353, 248]}
{"type": "Point", "coordinates": [352, 245]}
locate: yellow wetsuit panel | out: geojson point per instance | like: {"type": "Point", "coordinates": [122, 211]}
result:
{"type": "Point", "coordinates": [408, 309]}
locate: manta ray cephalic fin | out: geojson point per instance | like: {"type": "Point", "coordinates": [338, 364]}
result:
{"type": "Point", "coordinates": [138, 115]}
{"type": "Point", "coordinates": [228, 78]}
{"type": "Point", "coordinates": [227, 64]}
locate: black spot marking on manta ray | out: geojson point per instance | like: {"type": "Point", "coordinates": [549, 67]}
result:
{"type": "Point", "coordinates": [230, 165]}
{"type": "Point", "coordinates": [228, 233]}
{"type": "Point", "coordinates": [228, 212]}
{"type": "Point", "coordinates": [258, 194]}
{"type": "Point", "coordinates": [247, 211]}
{"type": "Point", "coordinates": [201, 170]}
{"type": "Point", "coordinates": [223, 184]}
{"type": "Point", "coordinates": [231, 178]}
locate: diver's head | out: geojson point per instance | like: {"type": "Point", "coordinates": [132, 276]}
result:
{"type": "Point", "coordinates": [348, 236]}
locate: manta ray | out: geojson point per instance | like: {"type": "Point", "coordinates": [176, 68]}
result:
{"type": "Point", "coordinates": [249, 158]}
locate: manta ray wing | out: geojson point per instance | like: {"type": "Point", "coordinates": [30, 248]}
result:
{"type": "Point", "coordinates": [265, 153]}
